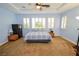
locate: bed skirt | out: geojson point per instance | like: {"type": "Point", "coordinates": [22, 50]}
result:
{"type": "Point", "coordinates": [38, 41]}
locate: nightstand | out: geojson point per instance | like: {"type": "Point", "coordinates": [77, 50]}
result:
{"type": "Point", "coordinates": [51, 33]}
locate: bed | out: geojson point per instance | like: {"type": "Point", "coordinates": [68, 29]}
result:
{"type": "Point", "coordinates": [36, 37]}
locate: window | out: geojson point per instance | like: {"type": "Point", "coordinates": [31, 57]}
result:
{"type": "Point", "coordinates": [64, 22]}
{"type": "Point", "coordinates": [50, 22]}
{"type": "Point", "coordinates": [26, 22]}
{"type": "Point", "coordinates": [38, 22]}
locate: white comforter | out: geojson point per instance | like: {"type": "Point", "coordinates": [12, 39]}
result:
{"type": "Point", "coordinates": [37, 36]}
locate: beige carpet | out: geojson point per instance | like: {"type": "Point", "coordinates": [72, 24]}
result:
{"type": "Point", "coordinates": [57, 47]}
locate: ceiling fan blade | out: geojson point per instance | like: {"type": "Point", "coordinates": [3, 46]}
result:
{"type": "Point", "coordinates": [38, 4]}
{"type": "Point", "coordinates": [45, 5]}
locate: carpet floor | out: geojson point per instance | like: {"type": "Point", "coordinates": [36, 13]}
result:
{"type": "Point", "coordinates": [57, 47]}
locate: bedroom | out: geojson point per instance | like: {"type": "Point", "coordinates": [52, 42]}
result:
{"type": "Point", "coordinates": [36, 21]}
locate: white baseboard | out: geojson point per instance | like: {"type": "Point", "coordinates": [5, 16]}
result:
{"type": "Point", "coordinates": [3, 42]}
{"type": "Point", "coordinates": [69, 40]}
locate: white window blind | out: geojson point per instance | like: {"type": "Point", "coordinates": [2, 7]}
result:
{"type": "Point", "coordinates": [26, 22]}
{"type": "Point", "coordinates": [38, 22]}
{"type": "Point", "coordinates": [50, 22]}
{"type": "Point", "coordinates": [64, 22]}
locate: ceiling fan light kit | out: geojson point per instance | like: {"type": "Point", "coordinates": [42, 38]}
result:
{"type": "Point", "coordinates": [38, 7]}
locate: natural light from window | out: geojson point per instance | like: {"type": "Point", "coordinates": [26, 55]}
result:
{"type": "Point", "coordinates": [50, 22]}
{"type": "Point", "coordinates": [38, 22]}
{"type": "Point", "coordinates": [26, 22]}
{"type": "Point", "coordinates": [64, 22]}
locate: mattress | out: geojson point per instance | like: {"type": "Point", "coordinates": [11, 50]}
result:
{"type": "Point", "coordinates": [37, 36]}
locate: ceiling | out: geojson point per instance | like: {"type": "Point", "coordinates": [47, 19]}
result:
{"type": "Point", "coordinates": [24, 8]}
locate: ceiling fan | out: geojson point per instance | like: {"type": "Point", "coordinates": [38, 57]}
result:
{"type": "Point", "coordinates": [40, 6]}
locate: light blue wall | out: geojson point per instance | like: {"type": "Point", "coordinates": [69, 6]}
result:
{"type": "Point", "coordinates": [6, 19]}
{"type": "Point", "coordinates": [56, 16]}
{"type": "Point", "coordinates": [71, 31]}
